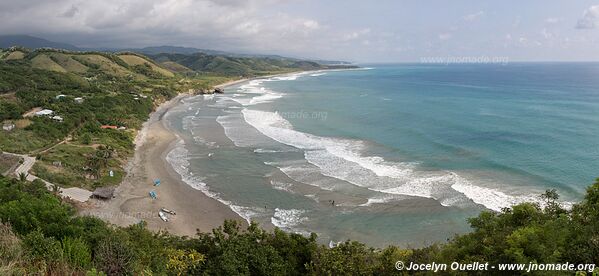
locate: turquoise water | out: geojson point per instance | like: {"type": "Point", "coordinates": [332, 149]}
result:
{"type": "Point", "coordinates": [406, 152]}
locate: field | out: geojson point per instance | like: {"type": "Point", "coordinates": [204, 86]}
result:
{"type": "Point", "coordinates": [68, 63]}
{"type": "Point", "coordinates": [134, 60]}
{"type": "Point", "coordinates": [8, 162]}
{"type": "Point", "coordinates": [15, 55]}
{"type": "Point", "coordinates": [44, 62]}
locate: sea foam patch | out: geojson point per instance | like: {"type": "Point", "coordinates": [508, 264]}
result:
{"type": "Point", "coordinates": [343, 159]}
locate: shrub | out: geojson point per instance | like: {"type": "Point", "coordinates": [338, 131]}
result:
{"type": "Point", "coordinates": [114, 257]}
{"type": "Point", "coordinates": [76, 252]}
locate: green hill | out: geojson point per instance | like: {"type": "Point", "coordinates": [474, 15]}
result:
{"type": "Point", "coordinates": [241, 66]}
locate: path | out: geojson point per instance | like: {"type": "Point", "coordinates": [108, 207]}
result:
{"type": "Point", "coordinates": [77, 194]}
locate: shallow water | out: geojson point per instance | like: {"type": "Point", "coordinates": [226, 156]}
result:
{"type": "Point", "coordinates": [398, 154]}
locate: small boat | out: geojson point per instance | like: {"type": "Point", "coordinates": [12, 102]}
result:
{"type": "Point", "coordinates": [163, 216]}
{"type": "Point", "coordinates": [210, 154]}
{"type": "Point", "coordinates": [168, 211]}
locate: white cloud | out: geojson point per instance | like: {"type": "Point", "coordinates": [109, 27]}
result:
{"type": "Point", "coordinates": [445, 36]}
{"type": "Point", "coordinates": [546, 34]}
{"type": "Point", "coordinates": [474, 16]}
{"type": "Point", "coordinates": [553, 20]}
{"type": "Point", "coordinates": [590, 18]}
{"type": "Point", "coordinates": [355, 34]}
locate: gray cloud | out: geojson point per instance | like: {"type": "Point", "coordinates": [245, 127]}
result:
{"type": "Point", "coordinates": [228, 24]}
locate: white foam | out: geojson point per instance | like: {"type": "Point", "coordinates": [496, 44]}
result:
{"type": "Point", "coordinates": [342, 159]}
{"type": "Point", "coordinates": [265, 151]}
{"type": "Point", "coordinates": [282, 186]}
{"type": "Point", "coordinates": [287, 219]}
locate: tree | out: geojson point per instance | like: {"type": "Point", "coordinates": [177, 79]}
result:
{"type": "Point", "coordinates": [181, 261]}
{"type": "Point", "coordinates": [86, 139]}
{"type": "Point", "coordinates": [22, 176]}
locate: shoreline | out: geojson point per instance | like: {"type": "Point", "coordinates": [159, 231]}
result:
{"type": "Point", "coordinates": [132, 203]}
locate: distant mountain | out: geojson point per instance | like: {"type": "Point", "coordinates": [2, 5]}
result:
{"type": "Point", "coordinates": [33, 42]}
{"type": "Point", "coordinates": [174, 50]}
{"type": "Point", "coordinates": [239, 66]}
{"type": "Point", "coordinates": [190, 50]}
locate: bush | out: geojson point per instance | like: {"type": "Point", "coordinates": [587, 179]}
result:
{"type": "Point", "coordinates": [11, 251]}
{"type": "Point", "coordinates": [114, 257]}
{"type": "Point", "coordinates": [76, 252]}
{"type": "Point", "coordinates": [41, 248]}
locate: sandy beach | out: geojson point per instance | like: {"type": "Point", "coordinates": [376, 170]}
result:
{"type": "Point", "coordinates": [132, 203]}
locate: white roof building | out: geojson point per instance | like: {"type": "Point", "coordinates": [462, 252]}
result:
{"type": "Point", "coordinates": [44, 112]}
{"type": "Point", "coordinates": [8, 126]}
{"type": "Point", "coordinates": [78, 100]}
{"type": "Point", "coordinates": [60, 96]}
{"type": "Point", "coordinates": [57, 118]}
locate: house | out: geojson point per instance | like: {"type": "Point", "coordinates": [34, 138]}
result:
{"type": "Point", "coordinates": [44, 112]}
{"type": "Point", "coordinates": [122, 128]}
{"type": "Point", "coordinates": [60, 96]}
{"type": "Point", "coordinates": [78, 100]}
{"type": "Point", "coordinates": [57, 164]}
{"type": "Point", "coordinates": [58, 119]}
{"type": "Point", "coordinates": [108, 127]}
{"type": "Point", "coordinates": [8, 126]}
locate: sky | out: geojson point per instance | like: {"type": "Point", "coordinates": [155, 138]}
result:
{"type": "Point", "coordinates": [352, 30]}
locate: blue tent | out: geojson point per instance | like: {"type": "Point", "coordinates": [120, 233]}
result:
{"type": "Point", "coordinates": [157, 182]}
{"type": "Point", "coordinates": [153, 195]}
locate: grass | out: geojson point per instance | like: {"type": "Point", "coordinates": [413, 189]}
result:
{"type": "Point", "coordinates": [68, 63]}
{"type": "Point", "coordinates": [106, 65]}
{"type": "Point", "coordinates": [22, 123]}
{"type": "Point", "coordinates": [136, 60]}
{"type": "Point", "coordinates": [71, 174]}
{"type": "Point", "coordinates": [44, 62]}
{"type": "Point", "coordinates": [22, 141]}
{"type": "Point", "coordinates": [8, 162]}
{"type": "Point", "coordinates": [175, 67]}
{"type": "Point", "coordinates": [15, 55]}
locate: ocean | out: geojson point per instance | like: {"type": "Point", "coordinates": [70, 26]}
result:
{"type": "Point", "coordinates": [392, 154]}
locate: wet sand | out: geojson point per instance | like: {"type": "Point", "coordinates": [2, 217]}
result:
{"type": "Point", "coordinates": [132, 203]}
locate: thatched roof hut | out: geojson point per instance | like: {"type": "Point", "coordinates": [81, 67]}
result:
{"type": "Point", "coordinates": [103, 193]}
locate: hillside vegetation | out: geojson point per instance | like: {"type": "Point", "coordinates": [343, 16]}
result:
{"type": "Point", "coordinates": [241, 66]}
{"type": "Point", "coordinates": [89, 89]}
{"type": "Point", "coordinates": [85, 90]}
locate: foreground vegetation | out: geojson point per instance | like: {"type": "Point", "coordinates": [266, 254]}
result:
{"type": "Point", "coordinates": [39, 234]}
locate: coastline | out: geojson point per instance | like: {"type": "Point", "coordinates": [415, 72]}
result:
{"type": "Point", "coordinates": [132, 203]}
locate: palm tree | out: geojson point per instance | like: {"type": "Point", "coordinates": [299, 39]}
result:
{"type": "Point", "coordinates": [22, 176]}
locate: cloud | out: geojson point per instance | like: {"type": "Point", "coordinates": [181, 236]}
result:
{"type": "Point", "coordinates": [473, 16]}
{"type": "Point", "coordinates": [553, 20]}
{"type": "Point", "coordinates": [221, 24]}
{"type": "Point", "coordinates": [445, 36]}
{"type": "Point", "coordinates": [590, 18]}
{"type": "Point", "coordinates": [355, 34]}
